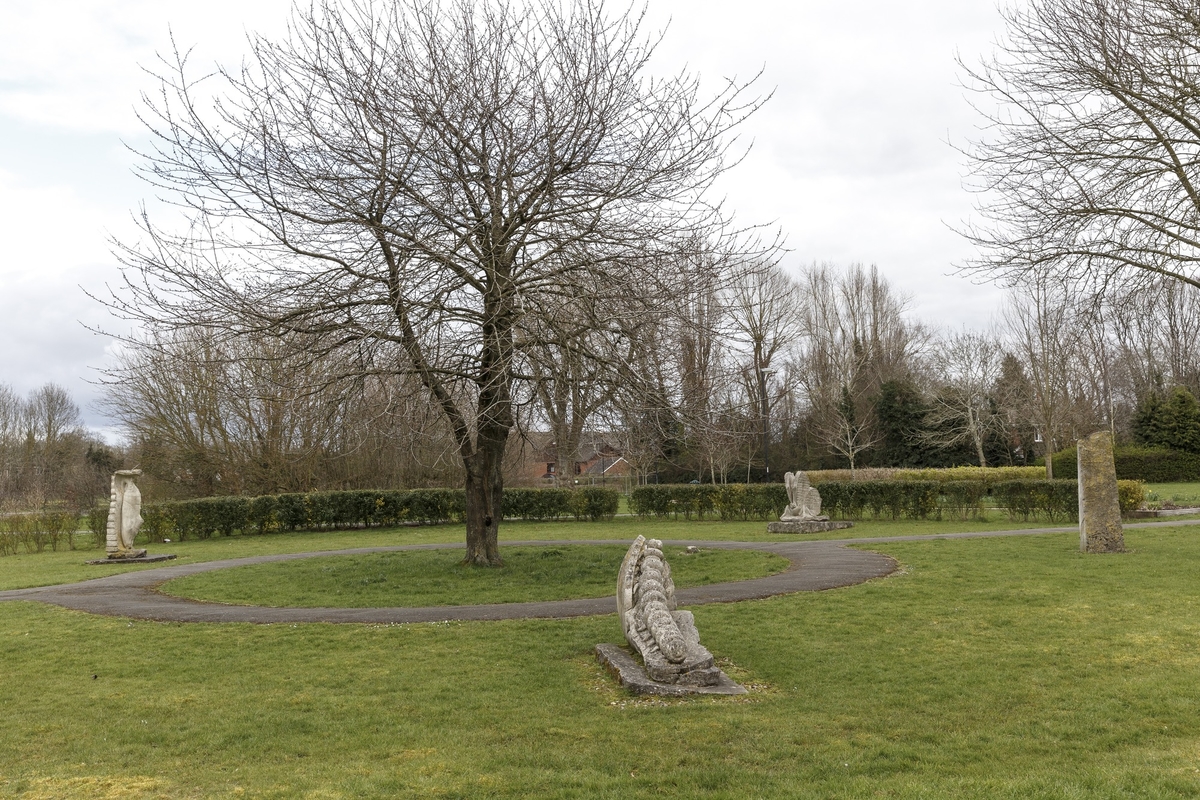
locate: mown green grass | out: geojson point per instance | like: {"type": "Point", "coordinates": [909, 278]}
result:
{"type": "Point", "coordinates": [988, 668]}
{"type": "Point", "coordinates": [1180, 493]}
{"type": "Point", "coordinates": [436, 578]}
{"type": "Point", "coordinates": [44, 569]}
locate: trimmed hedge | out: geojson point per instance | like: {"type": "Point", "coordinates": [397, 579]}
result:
{"type": "Point", "coordinates": [32, 533]}
{"type": "Point", "coordinates": [988, 475]}
{"type": "Point", "coordinates": [1139, 464]}
{"type": "Point", "coordinates": [892, 499]}
{"type": "Point", "coordinates": [204, 517]}
{"type": "Point", "coordinates": [733, 501]}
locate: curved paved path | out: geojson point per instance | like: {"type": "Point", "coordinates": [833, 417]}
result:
{"type": "Point", "coordinates": [814, 566]}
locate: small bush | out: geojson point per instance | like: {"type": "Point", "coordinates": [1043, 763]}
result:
{"type": "Point", "coordinates": [97, 522]}
{"type": "Point", "coordinates": [1130, 495]}
{"type": "Point", "coordinates": [594, 503]}
{"type": "Point", "coordinates": [157, 524]}
{"type": "Point", "coordinates": [962, 499]}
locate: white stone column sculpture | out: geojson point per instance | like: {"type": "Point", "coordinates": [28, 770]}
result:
{"type": "Point", "coordinates": [124, 515]}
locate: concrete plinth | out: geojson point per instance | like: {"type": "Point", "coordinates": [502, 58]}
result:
{"type": "Point", "coordinates": [144, 558]}
{"type": "Point", "coordinates": [806, 526]}
{"type": "Point", "coordinates": [630, 674]}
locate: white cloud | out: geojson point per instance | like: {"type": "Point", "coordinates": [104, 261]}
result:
{"type": "Point", "coordinates": [78, 64]}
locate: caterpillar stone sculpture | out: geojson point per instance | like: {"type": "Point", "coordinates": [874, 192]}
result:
{"type": "Point", "coordinates": [667, 639]}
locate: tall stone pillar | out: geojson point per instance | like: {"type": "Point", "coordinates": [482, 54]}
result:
{"type": "Point", "coordinates": [124, 515]}
{"type": "Point", "coordinates": [1099, 511]}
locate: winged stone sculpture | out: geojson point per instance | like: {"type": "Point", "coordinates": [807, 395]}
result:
{"type": "Point", "coordinates": [804, 502]}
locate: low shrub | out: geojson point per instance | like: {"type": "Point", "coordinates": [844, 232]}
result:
{"type": "Point", "coordinates": [816, 476]}
{"type": "Point", "coordinates": [537, 504]}
{"type": "Point", "coordinates": [594, 503]}
{"type": "Point", "coordinates": [962, 499]}
{"type": "Point", "coordinates": [730, 501]}
{"type": "Point", "coordinates": [201, 518]}
{"type": "Point", "coordinates": [156, 523]}
{"type": "Point", "coordinates": [986, 475]}
{"type": "Point", "coordinates": [35, 531]}
{"type": "Point", "coordinates": [1131, 495]}
{"type": "Point", "coordinates": [97, 523]}
{"type": "Point", "coordinates": [1139, 464]}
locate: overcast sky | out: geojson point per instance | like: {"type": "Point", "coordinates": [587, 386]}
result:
{"type": "Point", "coordinates": [852, 157]}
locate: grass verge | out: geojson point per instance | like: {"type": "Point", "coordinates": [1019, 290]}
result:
{"type": "Point", "coordinates": [436, 578]}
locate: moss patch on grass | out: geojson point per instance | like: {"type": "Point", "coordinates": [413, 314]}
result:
{"type": "Point", "coordinates": [436, 578]}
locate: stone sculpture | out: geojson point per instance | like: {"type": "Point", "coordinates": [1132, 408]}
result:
{"type": "Point", "coordinates": [804, 502]}
{"type": "Point", "coordinates": [124, 515]}
{"type": "Point", "coordinates": [1099, 510]}
{"type": "Point", "coordinates": [667, 639]}
{"type": "Point", "coordinates": [803, 512]}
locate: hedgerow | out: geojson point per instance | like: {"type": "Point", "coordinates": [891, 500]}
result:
{"type": "Point", "coordinates": [880, 499]}
{"type": "Point", "coordinates": [205, 517]}
{"type": "Point", "coordinates": [1139, 464]}
{"type": "Point", "coordinates": [33, 533]}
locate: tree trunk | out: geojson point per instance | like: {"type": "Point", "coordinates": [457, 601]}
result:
{"type": "Point", "coordinates": [976, 436]}
{"type": "Point", "coordinates": [485, 488]}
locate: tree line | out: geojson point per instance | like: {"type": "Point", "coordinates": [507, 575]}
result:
{"type": "Point", "coordinates": [772, 371]}
{"type": "Point", "coordinates": [47, 456]}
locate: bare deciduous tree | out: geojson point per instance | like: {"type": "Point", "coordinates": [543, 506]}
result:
{"type": "Point", "coordinates": [1091, 165]}
{"type": "Point", "coordinates": [961, 408]}
{"type": "Point", "coordinates": [408, 180]}
{"type": "Point", "coordinates": [1157, 334]}
{"type": "Point", "coordinates": [854, 339]}
{"type": "Point", "coordinates": [1042, 332]}
{"type": "Point", "coordinates": [765, 309]}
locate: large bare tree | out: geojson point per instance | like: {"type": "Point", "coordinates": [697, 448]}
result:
{"type": "Point", "coordinates": [407, 181]}
{"type": "Point", "coordinates": [1091, 163]}
{"type": "Point", "coordinates": [1043, 332]}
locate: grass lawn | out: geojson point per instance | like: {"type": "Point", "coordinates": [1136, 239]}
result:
{"type": "Point", "coordinates": [997, 668]}
{"type": "Point", "coordinates": [1182, 494]}
{"type": "Point", "coordinates": [435, 577]}
{"type": "Point", "coordinates": [65, 566]}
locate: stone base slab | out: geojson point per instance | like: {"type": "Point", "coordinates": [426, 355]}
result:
{"type": "Point", "coordinates": [806, 526]}
{"type": "Point", "coordinates": [144, 558]}
{"type": "Point", "coordinates": [630, 674]}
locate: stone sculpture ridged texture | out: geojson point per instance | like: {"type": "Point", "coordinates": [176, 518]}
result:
{"type": "Point", "coordinates": [667, 639]}
{"type": "Point", "coordinates": [804, 502]}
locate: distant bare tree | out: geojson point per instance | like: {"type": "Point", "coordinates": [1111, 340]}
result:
{"type": "Point", "coordinates": [215, 416]}
{"type": "Point", "coordinates": [765, 310]}
{"type": "Point", "coordinates": [43, 447]}
{"type": "Point", "coordinates": [854, 339]}
{"type": "Point", "coordinates": [1041, 329]}
{"type": "Point", "coordinates": [962, 408]}
{"type": "Point", "coordinates": [1091, 166]}
{"type": "Point", "coordinates": [407, 181]}
{"type": "Point", "coordinates": [1157, 334]}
